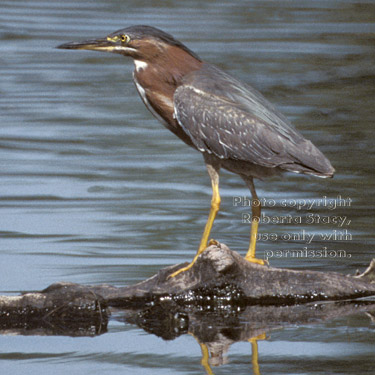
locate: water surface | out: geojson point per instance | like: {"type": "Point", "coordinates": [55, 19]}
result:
{"type": "Point", "coordinates": [94, 190]}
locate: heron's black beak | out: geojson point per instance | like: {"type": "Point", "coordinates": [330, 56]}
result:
{"type": "Point", "coordinates": [104, 45]}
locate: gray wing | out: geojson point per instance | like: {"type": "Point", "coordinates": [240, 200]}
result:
{"type": "Point", "coordinates": [233, 121]}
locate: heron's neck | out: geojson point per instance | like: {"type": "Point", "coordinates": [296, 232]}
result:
{"type": "Point", "coordinates": [157, 81]}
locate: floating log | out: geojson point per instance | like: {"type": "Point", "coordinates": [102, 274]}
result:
{"type": "Point", "coordinates": [219, 278]}
{"type": "Point", "coordinates": [221, 300]}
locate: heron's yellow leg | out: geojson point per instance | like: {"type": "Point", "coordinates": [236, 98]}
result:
{"type": "Point", "coordinates": [255, 217]}
{"type": "Point", "coordinates": [254, 352]}
{"type": "Point", "coordinates": [205, 359]}
{"type": "Point", "coordinates": [215, 205]}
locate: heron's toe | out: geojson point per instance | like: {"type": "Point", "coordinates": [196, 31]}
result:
{"type": "Point", "coordinates": [262, 262]}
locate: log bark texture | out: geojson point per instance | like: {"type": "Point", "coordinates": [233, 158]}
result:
{"type": "Point", "coordinates": [219, 277]}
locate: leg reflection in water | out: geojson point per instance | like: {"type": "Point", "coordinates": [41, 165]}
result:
{"type": "Point", "coordinates": [214, 354]}
{"type": "Point", "coordinates": [254, 352]}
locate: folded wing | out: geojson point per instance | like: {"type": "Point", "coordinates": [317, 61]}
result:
{"type": "Point", "coordinates": [233, 121]}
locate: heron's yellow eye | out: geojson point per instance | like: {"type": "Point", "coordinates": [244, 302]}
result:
{"type": "Point", "coordinates": [125, 38]}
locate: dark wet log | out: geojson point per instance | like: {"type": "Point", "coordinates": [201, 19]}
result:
{"type": "Point", "coordinates": [72, 310]}
{"type": "Point", "coordinates": [220, 277]}
{"type": "Point", "coordinates": [223, 275]}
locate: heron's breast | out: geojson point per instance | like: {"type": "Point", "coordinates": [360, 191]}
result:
{"type": "Point", "coordinates": [156, 88]}
{"type": "Point", "coordinates": [156, 93]}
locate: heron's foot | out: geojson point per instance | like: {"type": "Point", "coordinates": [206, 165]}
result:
{"type": "Point", "coordinates": [213, 242]}
{"type": "Point", "coordinates": [252, 259]}
{"type": "Point", "coordinates": [200, 251]}
{"type": "Point", "coordinates": [183, 269]}
{"type": "Point", "coordinates": [262, 336]}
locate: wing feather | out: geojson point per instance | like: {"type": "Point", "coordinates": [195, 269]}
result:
{"type": "Point", "coordinates": [217, 126]}
{"type": "Point", "coordinates": [233, 121]}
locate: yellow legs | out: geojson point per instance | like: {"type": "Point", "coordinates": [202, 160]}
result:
{"type": "Point", "coordinates": [213, 171]}
{"type": "Point", "coordinates": [205, 362]}
{"type": "Point", "coordinates": [255, 217]}
{"type": "Point", "coordinates": [254, 352]}
{"type": "Point", "coordinates": [213, 356]}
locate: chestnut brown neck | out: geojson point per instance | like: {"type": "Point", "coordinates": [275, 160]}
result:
{"type": "Point", "coordinates": [157, 81]}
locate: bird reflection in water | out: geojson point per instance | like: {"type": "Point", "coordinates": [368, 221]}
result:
{"type": "Point", "coordinates": [214, 355]}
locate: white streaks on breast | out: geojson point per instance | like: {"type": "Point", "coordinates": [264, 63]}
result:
{"type": "Point", "coordinates": [140, 65]}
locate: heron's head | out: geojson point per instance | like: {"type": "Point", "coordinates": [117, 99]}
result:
{"type": "Point", "coordinates": [142, 43]}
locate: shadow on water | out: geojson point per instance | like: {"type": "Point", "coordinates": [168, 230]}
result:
{"type": "Point", "coordinates": [215, 327]}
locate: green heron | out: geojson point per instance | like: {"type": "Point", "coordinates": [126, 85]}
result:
{"type": "Point", "coordinates": [229, 122]}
